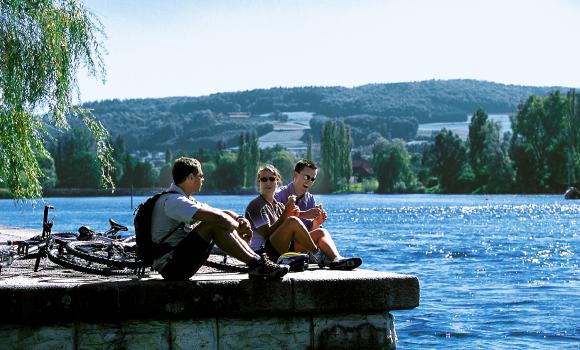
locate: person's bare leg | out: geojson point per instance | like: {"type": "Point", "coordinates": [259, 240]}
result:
{"type": "Point", "coordinates": [229, 242]}
{"type": "Point", "coordinates": [292, 229]}
{"type": "Point", "coordinates": [324, 241]}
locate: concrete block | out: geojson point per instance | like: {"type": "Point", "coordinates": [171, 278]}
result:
{"type": "Point", "coordinates": [194, 334]}
{"type": "Point", "coordinates": [100, 336]}
{"type": "Point", "coordinates": [151, 335]}
{"type": "Point", "coordinates": [33, 338]}
{"type": "Point", "coordinates": [264, 333]}
{"type": "Point", "coordinates": [354, 331]}
{"type": "Point", "coordinates": [98, 302]}
{"type": "Point", "coordinates": [360, 291]}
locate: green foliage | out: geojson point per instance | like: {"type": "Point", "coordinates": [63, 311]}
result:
{"type": "Point", "coordinates": [488, 156]}
{"type": "Point", "coordinates": [165, 176]}
{"type": "Point", "coordinates": [447, 158]}
{"type": "Point", "coordinates": [335, 149]}
{"type": "Point", "coordinates": [248, 158]}
{"type": "Point", "coordinates": [367, 129]}
{"type": "Point", "coordinates": [144, 175]}
{"type": "Point", "coordinates": [75, 161]}
{"type": "Point", "coordinates": [282, 159]}
{"type": "Point", "coordinates": [478, 133]}
{"type": "Point", "coordinates": [42, 45]}
{"type": "Point", "coordinates": [48, 178]}
{"type": "Point", "coordinates": [118, 155]}
{"type": "Point", "coordinates": [227, 173]}
{"type": "Point", "coordinates": [571, 136]}
{"type": "Point", "coordinates": [309, 147]}
{"type": "Point", "coordinates": [538, 143]}
{"type": "Point", "coordinates": [391, 165]}
{"type": "Point", "coordinates": [387, 110]}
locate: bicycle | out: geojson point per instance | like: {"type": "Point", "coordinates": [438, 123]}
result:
{"type": "Point", "coordinates": [66, 250]}
{"type": "Point", "coordinates": [106, 253]}
{"type": "Point", "coordinates": [35, 247]}
{"type": "Point", "coordinates": [121, 254]}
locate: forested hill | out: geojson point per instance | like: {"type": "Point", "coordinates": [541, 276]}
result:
{"type": "Point", "coordinates": [159, 124]}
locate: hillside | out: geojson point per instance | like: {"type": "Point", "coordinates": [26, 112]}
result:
{"type": "Point", "coordinates": [188, 123]}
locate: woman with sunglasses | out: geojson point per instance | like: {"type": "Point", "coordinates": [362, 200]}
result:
{"type": "Point", "coordinates": [275, 225]}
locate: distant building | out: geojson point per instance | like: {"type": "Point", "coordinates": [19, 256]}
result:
{"type": "Point", "coordinates": [361, 169]}
{"type": "Point", "coordinates": [239, 114]}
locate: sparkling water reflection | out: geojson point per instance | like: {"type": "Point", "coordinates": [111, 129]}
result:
{"type": "Point", "coordinates": [495, 271]}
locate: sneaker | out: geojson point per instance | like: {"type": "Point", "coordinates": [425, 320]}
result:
{"type": "Point", "coordinates": [267, 270]}
{"type": "Point", "coordinates": [345, 264]}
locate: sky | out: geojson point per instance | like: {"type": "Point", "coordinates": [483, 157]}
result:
{"type": "Point", "coordinates": [194, 48]}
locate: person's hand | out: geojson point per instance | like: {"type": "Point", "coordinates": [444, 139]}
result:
{"type": "Point", "coordinates": [295, 211]}
{"type": "Point", "coordinates": [291, 209]}
{"type": "Point", "coordinates": [320, 219]}
{"type": "Point", "coordinates": [311, 213]}
{"type": "Point", "coordinates": [244, 229]}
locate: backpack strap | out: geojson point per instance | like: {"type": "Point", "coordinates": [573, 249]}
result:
{"type": "Point", "coordinates": [181, 225]}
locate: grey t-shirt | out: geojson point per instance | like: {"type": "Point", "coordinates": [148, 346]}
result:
{"type": "Point", "coordinates": [260, 212]}
{"type": "Point", "coordinates": [170, 211]}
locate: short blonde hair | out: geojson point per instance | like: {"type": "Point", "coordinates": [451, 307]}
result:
{"type": "Point", "coordinates": [271, 169]}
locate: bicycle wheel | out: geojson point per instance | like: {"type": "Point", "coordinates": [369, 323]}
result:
{"type": "Point", "coordinates": [106, 253]}
{"type": "Point", "coordinates": [58, 254]}
{"type": "Point", "coordinates": [224, 262]}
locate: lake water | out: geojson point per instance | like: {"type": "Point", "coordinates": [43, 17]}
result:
{"type": "Point", "coordinates": [498, 272]}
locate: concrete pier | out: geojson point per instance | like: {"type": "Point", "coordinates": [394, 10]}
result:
{"type": "Point", "coordinates": [314, 309]}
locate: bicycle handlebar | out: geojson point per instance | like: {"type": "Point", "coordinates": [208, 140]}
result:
{"type": "Point", "coordinates": [46, 225]}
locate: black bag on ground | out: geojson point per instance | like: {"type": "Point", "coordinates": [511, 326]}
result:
{"type": "Point", "coordinates": [147, 250]}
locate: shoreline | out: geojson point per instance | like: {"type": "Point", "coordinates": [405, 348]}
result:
{"type": "Point", "coordinates": [123, 191]}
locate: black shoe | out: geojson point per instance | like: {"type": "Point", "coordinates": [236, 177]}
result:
{"type": "Point", "coordinates": [267, 270]}
{"type": "Point", "coordinates": [345, 264]}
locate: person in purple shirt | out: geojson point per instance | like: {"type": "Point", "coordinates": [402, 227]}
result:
{"type": "Point", "coordinates": [312, 216]}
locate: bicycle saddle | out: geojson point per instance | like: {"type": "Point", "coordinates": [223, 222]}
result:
{"type": "Point", "coordinates": [117, 226]}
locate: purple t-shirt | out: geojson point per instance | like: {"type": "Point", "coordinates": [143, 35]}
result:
{"type": "Point", "coordinates": [305, 202]}
{"type": "Point", "coordinates": [259, 212]}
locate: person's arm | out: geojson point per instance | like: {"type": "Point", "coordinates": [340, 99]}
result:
{"type": "Point", "coordinates": [289, 210]}
{"type": "Point", "coordinates": [311, 212]}
{"type": "Point", "coordinates": [244, 229]}
{"type": "Point", "coordinates": [217, 217]}
{"type": "Point", "coordinates": [319, 220]}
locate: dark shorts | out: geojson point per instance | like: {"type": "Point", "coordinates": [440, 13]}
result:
{"type": "Point", "coordinates": [188, 256]}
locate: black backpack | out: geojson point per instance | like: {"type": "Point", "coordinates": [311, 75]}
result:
{"type": "Point", "coordinates": [147, 250]}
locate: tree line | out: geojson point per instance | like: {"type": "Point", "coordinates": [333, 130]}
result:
{"type": "Point", "coordinates": [180, 122]}
{"type": "Point", "coordinates": [540, 154]}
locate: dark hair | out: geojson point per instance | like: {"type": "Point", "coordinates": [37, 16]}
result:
{"type": "Point", "coordinates": [184, 166]}
{"type": "Point", "coordinates": [303, 164]}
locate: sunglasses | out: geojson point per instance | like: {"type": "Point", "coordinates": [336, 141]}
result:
{"type": "Point", "coordinates": [265, 179]}
{"type": "Point", "coordinates": [307, 177]}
